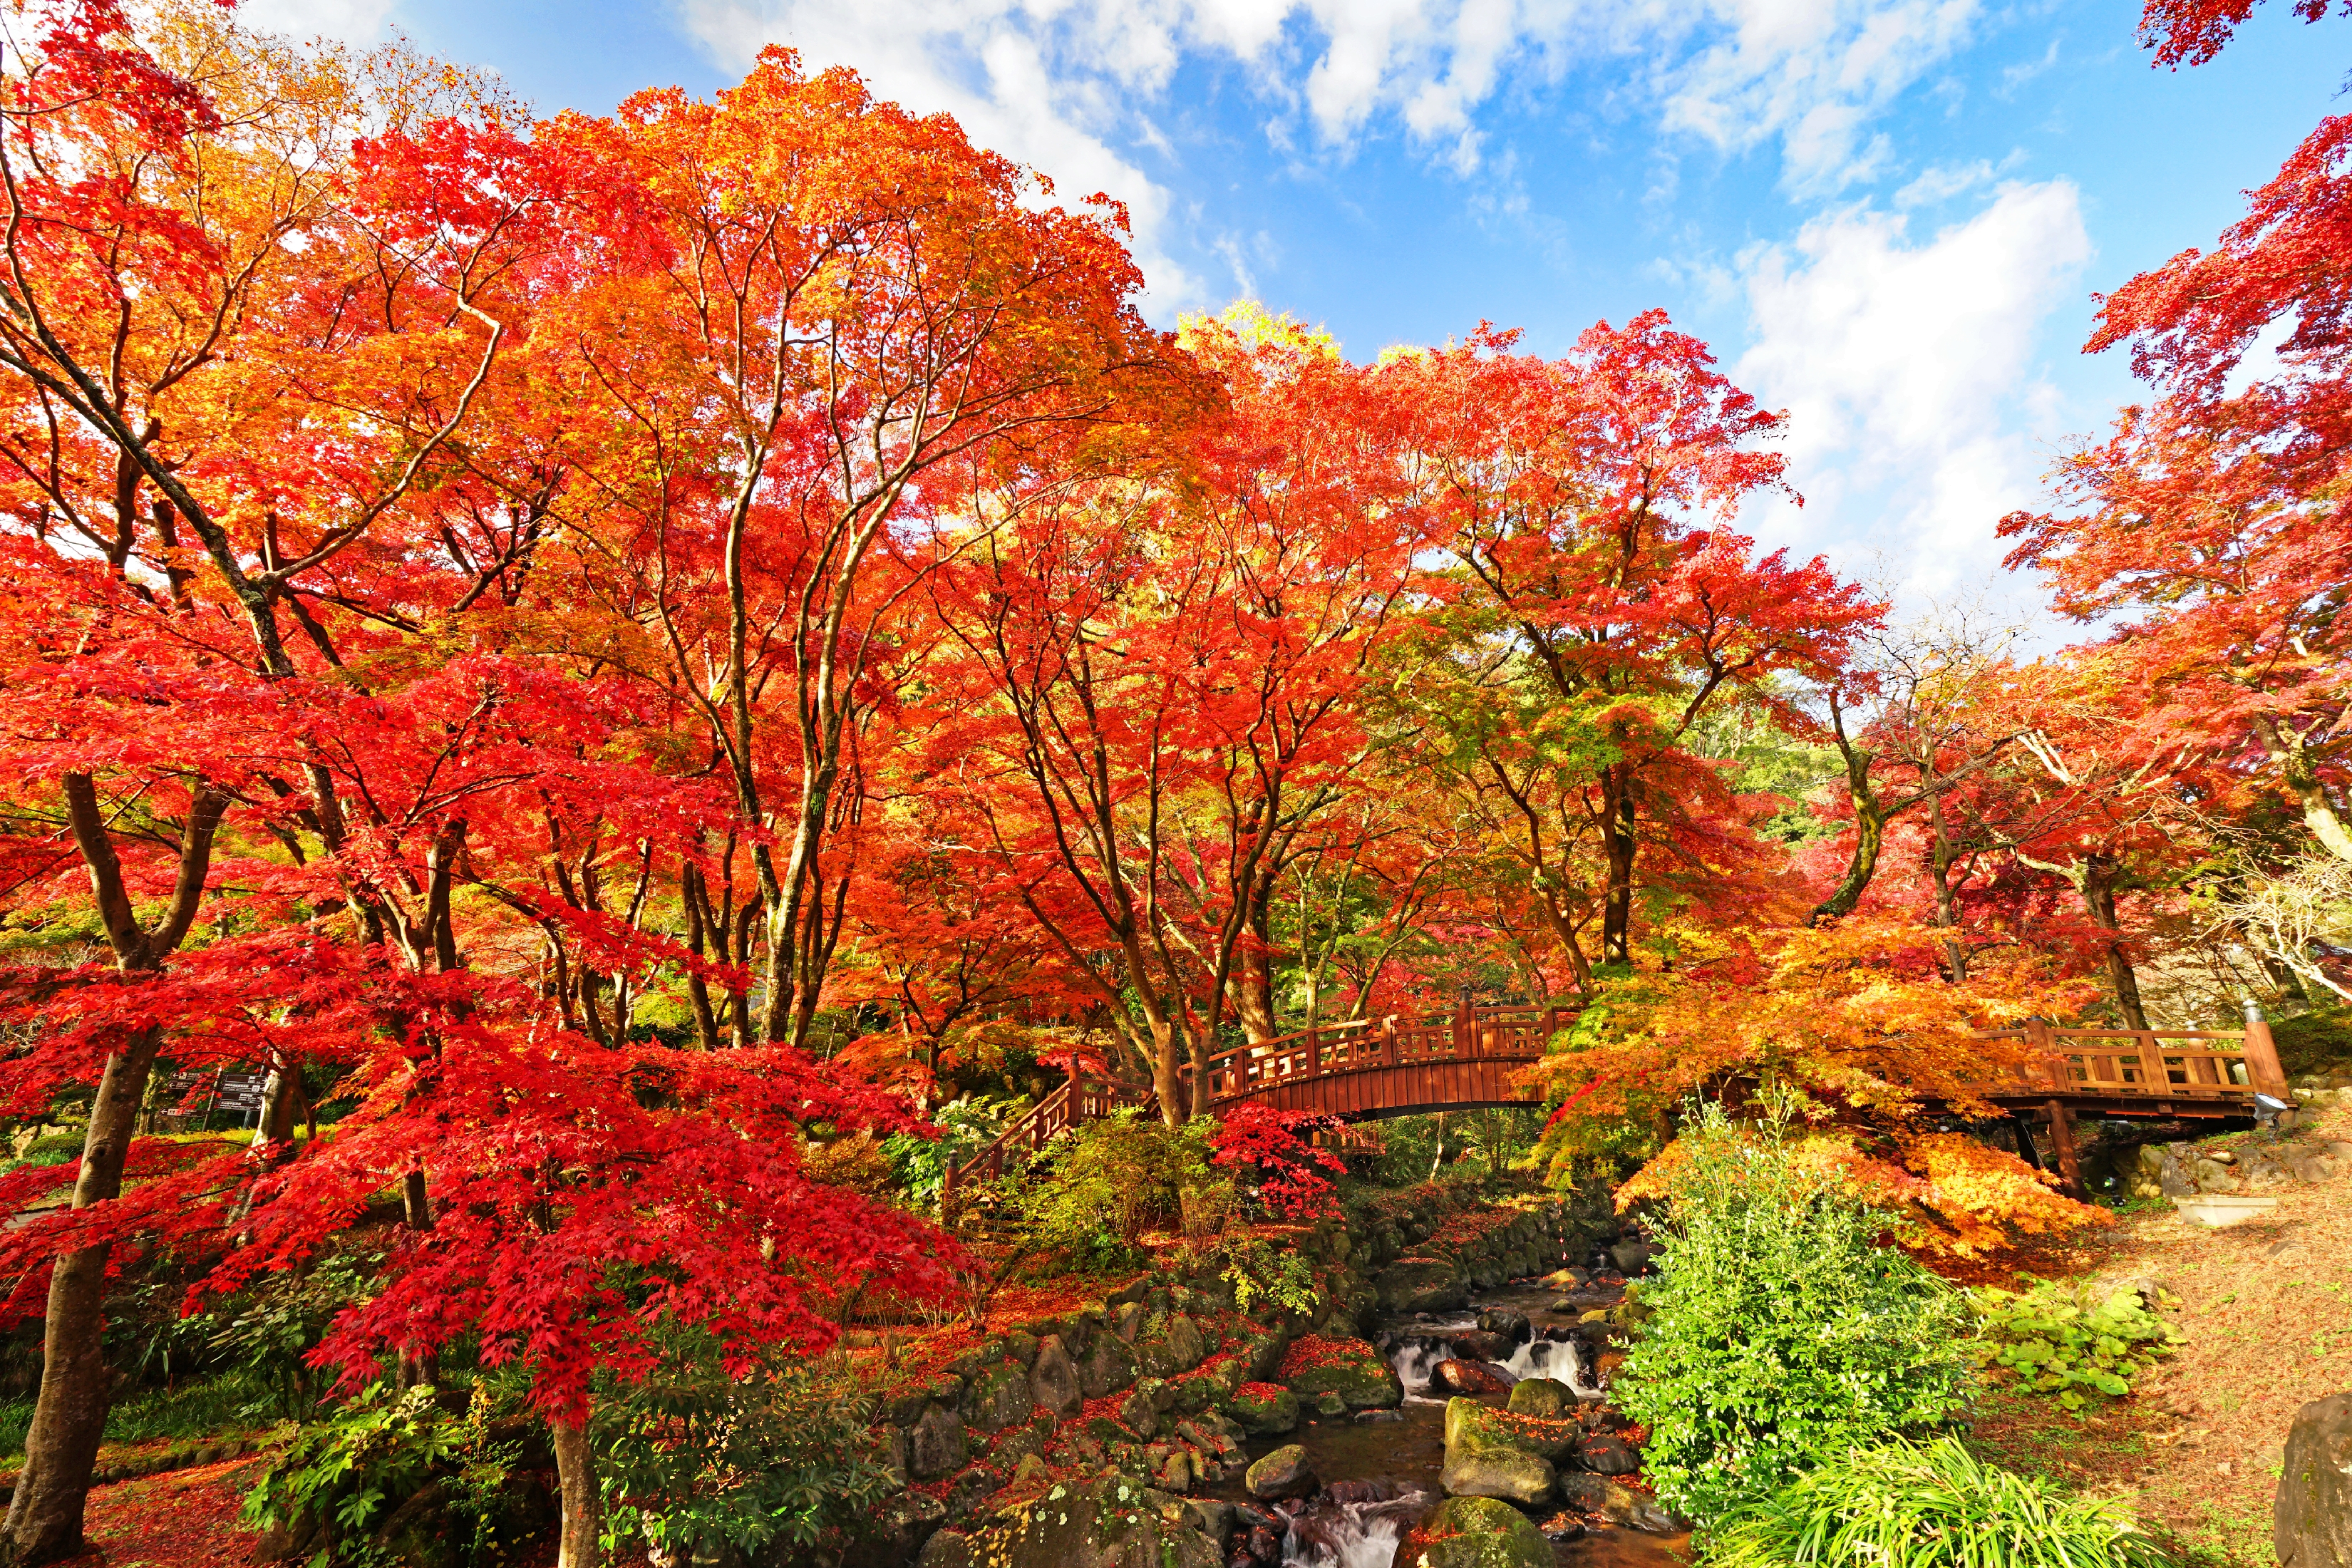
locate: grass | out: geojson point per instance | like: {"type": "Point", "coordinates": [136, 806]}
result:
{"type": "Point", "coordinates": [233, 1401]}
{"type": "Point", "coordinates": [1929, 1505]}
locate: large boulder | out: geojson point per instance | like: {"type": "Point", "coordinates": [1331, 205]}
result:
{"type": "Point", "coordinates": [1107, 1367]}
{"type": "Point", "coordinates": [2311, 1525]}
{"type": "Point", "coordinates": [896, 1531]}
{"type": "Point", "coordinates": [1459, 1375]}
{"type": "Point", "coordinates": [1420, 1285]}
{"type": "Point", "coordinates": [1350, 1368]}
{"type": "Point", "coordinates": [1606, 1454]}
{"type": "Point", "coordinates": [935, 1445]}
{"type": "Point", "coordinates": [1493, 1454]}
{"type": "Point", "coordinates": [1542, 1396]}
{"type": "Point", "coordinates": [1469, 1424]}
{"type": "Point", "coordinates": [1054, 1378]}
{"type": "Point", "coordinates": [1265, 1407]}
{"type": "Point", "coordinates": [1281, 1474]}
{"type": "Point", "coordinates": [998, 1396]}
{"type": "Point", "coordinates": [1177, 1348]}
{"type": "Point", "coordinates": [1107, 1523]}
{"type": "Point", "coordinates": [1474, 1532]}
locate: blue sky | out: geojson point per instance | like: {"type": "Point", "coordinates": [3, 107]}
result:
{"type": "Point", "coordinates": [1887, 216]}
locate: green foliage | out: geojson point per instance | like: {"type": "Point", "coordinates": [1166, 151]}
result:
{"type": "Point", "coordinates": [350, 1470]}
{"type": "Point", "coordinates": [966, 1125]}
{"type": "Point", "coordinates": [1108, 1181]}
{"type": "Point", "coordinates": [348, 1474]}
{"type": "Point", "coordinates": [693, 1459]}
{"type": "Point", "coordinates": [1932, 1505]}
{"type": "Point", "coordinates": [192, 1407]}
{"type": "Point", "coordinates": [48, 1151]}
{"type": "Point", "coordinates": [1782, 1329]}
{"type": "Point", "coordinates": [270, 1329]}
{"type": "Point", "coordinates": [1260, 1271]}
{"type": "Point", "coordinates": [2059, 1343]}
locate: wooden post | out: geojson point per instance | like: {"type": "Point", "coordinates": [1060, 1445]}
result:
{"type": "Point", "coordinates": [1462, 1023]}
{"type": "Point", "coordinates": [2062, 1143]}
{"type": "Point", "coordinates": [1314, 1052]}
{"type": "Point", "coordinates": [2262, 1063]}
{"type": "Point", "coordinates": [2025, 1149]}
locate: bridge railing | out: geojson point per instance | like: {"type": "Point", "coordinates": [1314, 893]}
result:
{"type": "Point", "coordinates": [1464, 1033]}
{"type": "Point", "coordinates": [2136, 1064]}
{"type": "Point", "coordinates": [1084, 1097]}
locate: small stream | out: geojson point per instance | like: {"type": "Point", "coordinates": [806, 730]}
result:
{"type": "Point", "coordinates": [1380, 1467]}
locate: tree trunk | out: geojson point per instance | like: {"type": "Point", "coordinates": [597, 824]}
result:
{"type": "Point", "coordinates": [44, 1516]}
{"type": "Point", "coordinates": [1869, 829]}
{"type": "Point", "coordinates": [576, 1475]}
{"type": "Point", "coordinates": [1942, 857]}
{"type": "Point", "coordinates": [1167, 1051]}
{"type": "Point", "coordinates": [1617, 914]}
{"type": "Point", "coordinates": [418, 1369]}
{"type": "Point", "coordinates": [2100, 875]}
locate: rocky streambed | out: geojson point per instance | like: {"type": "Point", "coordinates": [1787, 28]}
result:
{"type": "Point", "coordinates": [1446, 1405]}
{"type": "Point", "coordinates": [1505, 1401]}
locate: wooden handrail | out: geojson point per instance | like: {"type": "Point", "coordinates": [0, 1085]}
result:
{"type": "Point", "coordinates": [2151, 1065]}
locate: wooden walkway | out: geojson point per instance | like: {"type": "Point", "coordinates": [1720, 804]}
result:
{"type": "Point", "coordinates": [1470, 1057]}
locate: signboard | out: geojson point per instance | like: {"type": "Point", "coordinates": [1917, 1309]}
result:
{"type": "Point", "coordinates": [226, 1097]}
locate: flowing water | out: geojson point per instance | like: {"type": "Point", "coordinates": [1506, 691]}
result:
{"type": "Point", "coordinates": [1395, 1455]}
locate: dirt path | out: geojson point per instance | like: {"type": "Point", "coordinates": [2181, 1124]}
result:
{"type": "Point", "coordinates": [2267, 1307]}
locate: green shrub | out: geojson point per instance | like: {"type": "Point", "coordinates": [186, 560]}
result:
{"type": "Point", "coordinates": [2058, 1342]}
{"type": "Point", "coordinates": [966, 1125]}
{"type": "Point", "coordinates": [1256, 1270]}
{"type": "Point", "coordinates": [338, 1483]}
{"type": "Point", "coordinates": [1108, 1181]}
{"type": "Point", "coordinates": [1780, 1328]}
{"type": "Point", "coordinates": [693, 1461]}
{"type": "Point", "coordinates": [1931, 1505]}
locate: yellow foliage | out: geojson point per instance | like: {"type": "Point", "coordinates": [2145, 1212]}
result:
{"type": "Point", "coordinates": [1855, 1026]}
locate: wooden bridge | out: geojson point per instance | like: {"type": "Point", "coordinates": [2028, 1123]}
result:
{"type": "Point", "coordinates": [1470, 1057]}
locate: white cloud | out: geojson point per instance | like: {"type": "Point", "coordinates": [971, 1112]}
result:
{"type": "Point", "coordinates": [1908, 370]}
{"type": "Point", "coordinates": [1811, 73]}
{"type": "Point", "coordinates": [1942, 182]}
{"type": "Point", "coordinates": [1064, 85]}
{"type": "Point", "coordinates": [346, 21]}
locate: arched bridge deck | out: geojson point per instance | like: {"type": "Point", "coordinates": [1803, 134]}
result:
{"type": "Point", "coordinates": [1471, 1057]}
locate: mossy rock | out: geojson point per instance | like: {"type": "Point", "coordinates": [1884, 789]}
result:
{"type": "Point", "coordinates": [1177, 1347]}
{"type": "Point", "coordinates": [1261, 1408]}
{"type": "Point", "coordinates": [1107, 1523]}
{"type": "Point", "coordinates": [1543, 1397]}
{"type": "Point", "coordinates": [1474, 1532]}
{"type": "Point", "coordinates": [1360, 1377]}
{"type": "Point", "coordinates": [1421, 1285]}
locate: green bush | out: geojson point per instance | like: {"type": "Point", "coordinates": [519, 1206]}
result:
{"type": "Point", "coordinates": [1780, 1328]}
{"type": "Point", "coordinates": [1108, 1181]}
{"type": "Point", "coordinates": [338, 1485]}
{"type": "Point", "coordinates": [693, 1461]}
{"type": "Point", "coordinates": [1931, 1505]}
{"type": "Point", "coordinates": [966, 1125]}
{"type": "Point", "coordinates": [2058, 1342]}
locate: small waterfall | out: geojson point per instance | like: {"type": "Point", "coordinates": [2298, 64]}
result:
{"type": "Point", "coordinates": [1415, 1358]}
{"type": "Point", "coordinates": [1416, 1361]}
{"type": "Point", "coordinates": [1355, 1524]}
{"type": "Point", "coordinates": [1563, 1360]}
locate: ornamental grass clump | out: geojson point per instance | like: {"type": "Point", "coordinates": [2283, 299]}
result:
{"type": "Point", "coordinates": [1925, 1505]}
{"type": "Point", "coordinates": [1782, 1327]}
